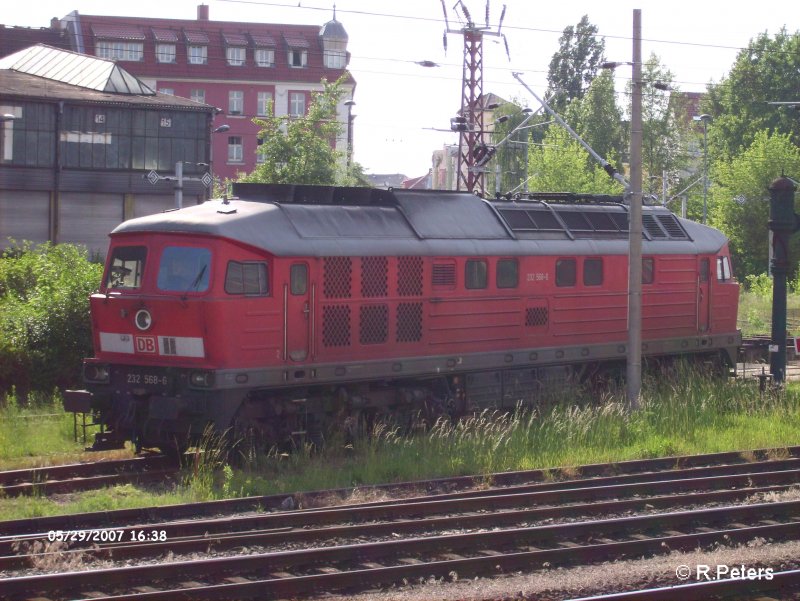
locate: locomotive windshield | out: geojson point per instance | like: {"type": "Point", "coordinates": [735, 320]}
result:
{"type": "Point", "coordinates": [184, 269]}
{"type": "Point", "coordinates": [126, 267]}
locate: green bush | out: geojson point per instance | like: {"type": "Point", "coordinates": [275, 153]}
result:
{"type": "Point", "coordinates": [45, 330]}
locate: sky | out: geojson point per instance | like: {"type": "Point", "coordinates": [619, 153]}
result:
{"type": "Point", "coordinates": [400, 105]}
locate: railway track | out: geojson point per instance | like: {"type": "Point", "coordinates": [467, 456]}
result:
{"type": "Point", "coordinates": [525, 525]}
{"type": "Point", "coordinates": [85, 476]}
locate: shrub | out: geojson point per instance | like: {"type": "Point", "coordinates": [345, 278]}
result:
{"type": "Point", "coordinates": [45, 329]}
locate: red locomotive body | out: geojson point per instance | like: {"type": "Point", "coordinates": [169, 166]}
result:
{"type": "Point", "coordinates": [293, 307]}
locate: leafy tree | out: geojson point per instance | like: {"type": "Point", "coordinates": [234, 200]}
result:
{"type": "Point", "coordinates": [45, 330]}
{"type": "Point", "coordinates": [299, 150]}
{"type": "Point", "coordinates": [561, 164]}
{"type": "Point", "coordinates": [597, 118]}
{"type": "Point", "coordinates": [574, 66]}
{"type": "Point", "coordinates": [767, 70]}
{"type": "Point", "coordinates": [511, 158]}
{"type": "Point", "coordinates": [739, 204]}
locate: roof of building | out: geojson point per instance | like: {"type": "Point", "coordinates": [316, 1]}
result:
{"type": "Point", "coordinates": [74, 69]}
{"type": "Point", "coordinates": [19, 84]}
{"type": "Point", "coordinates": [16, 38]}
{"type": "Point", "coordinates": [334, 30]}
{"type": "Point", "coordinates": [330, 221]}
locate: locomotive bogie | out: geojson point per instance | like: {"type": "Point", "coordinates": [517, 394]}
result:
{"type": "Point", "coordinates": [285, 314]}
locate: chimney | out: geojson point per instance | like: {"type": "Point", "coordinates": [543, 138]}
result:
{"type": "Point", "coordinates": [202, 12]}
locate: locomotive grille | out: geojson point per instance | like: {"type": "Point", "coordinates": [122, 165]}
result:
{"type": "Point", "coordinates": [337, 275]}
{"type": "Point", "coordinates": [374, 324]}
{"type": "Point", "coordinates": [674, 229]}
{"type": "Point", "coordinates": [409, 276]}
{"type": "Point", "coordinates": [336, 325]}
{"type": "Point", "coordinates": [536, 317]}
{"type": "Point", "coordinates": [651, 225]}
{"type": "Point", "coordinates": [409, 322]}
{"type": "Point", "coordinates": [374, 276]}
{"type": "Point", "coordinates": [444, 275]}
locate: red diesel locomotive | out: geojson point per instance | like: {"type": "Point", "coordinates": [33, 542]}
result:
{"type": "Point", "coordinates": [290, 309]}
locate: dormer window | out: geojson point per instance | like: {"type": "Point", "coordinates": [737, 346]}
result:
{"type": "Point", "coordinates": [298, 58]}
{"type": "Point", "coordinates": [235, 55]}
{"type": "Point", "coordinates": [296, 51]}
{"type": "Point", "coordinates": [165, 53]}
{"type": "Point", "coordinates": [197, 47]}
{"type": "Point", "coordinates": [265, 57]}
{"type": "Point", "coordinates": [335, 54]}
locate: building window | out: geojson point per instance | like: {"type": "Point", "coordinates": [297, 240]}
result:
{"type": "Point", "coordinates": [235, 102]}
{"type": "Point", "coordinates": [264, 107]}
{"type": "Point", "coordinates": [120, 51]}
{"type": "Point", "coordinates": [170, 91]}
{"type": "Point", "coordinates": [475, 274]}
{"type": "Point", "coordinates": [335, 54]}
{"type": "Point", "coordinates": [297, 104]}
{"type": "Point", "coordinates": [198, 55]}
{"type": "Point", "coordinates": [165, 53]}
{"type": "Point", "coordinates": [198, 96]}
{"type": "Point", "coordinates": [507, 273]}
{"type": "Point", "coordinates": [265, 57]}
{"type": "Point", "coordinates": [235, 150]}
{"type": "Point", "coordinates": [565, 272]}
{"type": "Point", "coordinates": [235, 55]}
{"type": "Point", "coordinates": [593, 272]}
{"type": "Point", "coordinates": [298, 58]}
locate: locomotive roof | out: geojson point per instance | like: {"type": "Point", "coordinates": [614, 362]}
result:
{"type": "Point", "coordinates": [289, 220]}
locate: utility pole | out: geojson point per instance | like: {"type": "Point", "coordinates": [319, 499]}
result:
{"type": "Point", "coordinates": [634, 365]}
{"type": "Point", "coordinates": [469, 124]}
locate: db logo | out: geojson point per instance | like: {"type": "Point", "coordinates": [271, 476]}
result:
{"type": "Point", "coordinates": [145, 344]}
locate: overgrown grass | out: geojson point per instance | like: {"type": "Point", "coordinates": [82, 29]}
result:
{"type": "Point", "coordinates": [684, 415]}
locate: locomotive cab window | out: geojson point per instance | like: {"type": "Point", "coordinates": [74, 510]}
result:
{"type": "Point", "coordinates": [648, 270]}
{"type": "Point", "coordinates": [246, 278]}
{"type": "Point", "coordinates": [507, 275]}
{"type": "Point", "coordinates": [723, 269]}
{"type": "Point", "coordinates": [475, 274]}
{"type": "Point", "coordinates": [565, 272]}
{"type": "Point", "coordinates": [593, 272]}
{"type": "Point", "coordinates": [126, 267]}
{"type": "Point", "coordinates": [184, 269]}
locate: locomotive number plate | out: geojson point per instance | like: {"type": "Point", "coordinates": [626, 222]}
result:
{"type": "Point", "coordinates": [136, 378]}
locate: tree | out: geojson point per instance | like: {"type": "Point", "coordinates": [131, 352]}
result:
{"type": "Point", "coordinates": [767, 70]}
{"type": "Point", "coordinates": [574, 67]}
{"type": "Point", "coordinates": [598, 119]}
{"type": "Point", "coordinates": [740, 199]}
{"type": "Point", "coordinates": [561, 164]}
{"type": "Point", "coordinates": [299, 150]}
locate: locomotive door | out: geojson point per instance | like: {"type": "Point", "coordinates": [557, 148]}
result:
{"type": "Point", "coordinates": [298, 313]}
{"type": "Point", "coordinates": [703, 294]}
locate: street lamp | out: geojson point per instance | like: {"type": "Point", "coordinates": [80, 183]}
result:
{"type": "Point", "coordinates": [350, 116]}
{"type": "Point", "coordinates": [705, 118]}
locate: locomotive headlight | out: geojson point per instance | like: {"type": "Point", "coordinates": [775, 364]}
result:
{"type": "Point", "coordinates": [201, 379]}
{"type": "Point", "coordinates": [95, 373]}
{"type": "Point", "coordinates": [143, 319]}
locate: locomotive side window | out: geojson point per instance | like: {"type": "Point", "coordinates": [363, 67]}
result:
{"type": "Point", "coordinates": [648, 270]}
{"type": "Point", "coordinates": [475, 274]}
{"type": "Point", "coordinates": [298, 279]}
{"type": "Point", "coordinates": [565, 272]}
{"type": "Point", "coordinates": [184, 269]}
{"type": "Point", "coordinates": [723, 269]}
{"type": "Point", "coordinates": [507, 275]}
{"type": "Point", "coordinates": [593, 272]}
{"type": "Point", "coordinates": [247, 278]}
{"type": "Point", "coordinates": [126, 267]}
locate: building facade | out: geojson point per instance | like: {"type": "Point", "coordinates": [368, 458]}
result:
{"type": "Point", "coordinates": [246, 70]}
{"type": "Point", "coordinates": [77, 139]}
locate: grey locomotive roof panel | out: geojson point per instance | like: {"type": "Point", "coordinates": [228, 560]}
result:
{"type": "Point", "coordinates": [379, 222]}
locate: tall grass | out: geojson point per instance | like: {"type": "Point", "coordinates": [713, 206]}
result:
{"type": "Point", "coordinates": [686, 413]}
